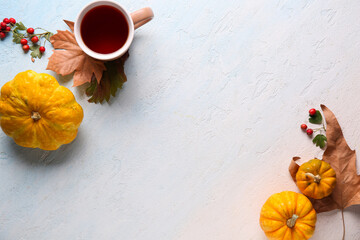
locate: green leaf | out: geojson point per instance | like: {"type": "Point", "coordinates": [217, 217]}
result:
{"type": "Point", "coordinates": [320, 140]}
{"type": "Point", "coordinates": [35, 51]}
{"type": "Point", "coordinates": [17, 37]}
{"type": "Point", "coordinates": [20, 26]}
{"type": "Point", "coordinates": [316, 119]}
{"type": "Point", "coordinates": [113, 78]}
{"type": "Point", "coordinates": [48, 35]}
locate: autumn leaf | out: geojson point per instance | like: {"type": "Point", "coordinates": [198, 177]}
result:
{"type": "Point", "coordinates": [113, 79]}
{"type": "Point", "coordinates": [70, 24]}
{"type": "Point", "coordinates": [68, 57]}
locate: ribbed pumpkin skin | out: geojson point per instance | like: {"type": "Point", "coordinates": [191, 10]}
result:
{"type": "Point", "coordinates": [282, 206]}
{"type": "Point", "coordinates": [308, 186]}
{"type": "Point", "coordinates": [29, 93]}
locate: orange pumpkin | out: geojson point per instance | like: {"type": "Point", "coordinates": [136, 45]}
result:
{"type": "Point", "coordinates": [39, 113]}
{"type": "Point", "coordinates": [288, 215]}
{"type": "Point", "coordinates": [316, 179]}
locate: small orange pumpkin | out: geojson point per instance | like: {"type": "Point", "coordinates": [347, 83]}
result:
{"type": "Point", "coordinates": [37, 112]}
{"type": "Point", "coordinates": [288, 215]}
{"type": "Point", "coordinates": [316, 179]}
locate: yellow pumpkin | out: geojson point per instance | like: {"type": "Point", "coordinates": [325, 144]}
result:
{"type": "Point", "coordinates": [316, 179]}
{"type": "Point", "coordinates": [39, 113]}
{"type": "Point", "coordinates": [288, 216]}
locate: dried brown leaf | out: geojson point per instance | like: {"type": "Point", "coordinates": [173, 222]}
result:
{"type": "Point", "coordinates": [70, 24]}
{"type": "Point", "coordinates": [339, 155]}
{"type": "Point", "coordinates": [293, 168]}
{"type": "Point", "coordinates": [69, 57]}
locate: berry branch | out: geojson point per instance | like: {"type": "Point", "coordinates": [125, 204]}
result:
{"type": "Point", "coordinates": [316, 118]}
{"type": "Point", "coordinates": [23, 38]}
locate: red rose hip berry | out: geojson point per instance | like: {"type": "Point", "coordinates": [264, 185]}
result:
{"type": "Point", "coordinates": [12, 20]}
{"type": "Point", "coordinates": [303, 126]}
{"type": "Point", "coordinates": [34, 39]}
{"type": "Point", "coordinates": [6, 20]}
{"type": "Point", "coordinates": [42, 49]}
{"type": "Point", "coordinates": [30, 30]}
{"type": "Point", "coordinates": [312, 112]}
{"type": "Point", "coordinates": [23, 41]}
{"type": "Point", "coordinates": [8, 29]}
{"type": "Point", "coordinates": [3, 25]}
{"type": "Point", "coordinates": [26, 48]}
{"type": "Point", "coordinates": [2, 35]}
{"type": "Point", "coordinates": [309, 131]}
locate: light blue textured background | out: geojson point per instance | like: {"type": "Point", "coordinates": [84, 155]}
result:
{"type": "Point", "coordinates": [202, 132]}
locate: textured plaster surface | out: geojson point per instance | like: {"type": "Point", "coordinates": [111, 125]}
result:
{"type": "Point", "coordinates": [203, 131]}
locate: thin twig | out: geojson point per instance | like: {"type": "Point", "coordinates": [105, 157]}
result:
{"type": "Point", "coordinates": [343, 221]}
{"type": "Point", "coordinates": [42, 29]}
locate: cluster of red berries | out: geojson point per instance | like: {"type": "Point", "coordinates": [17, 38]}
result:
{"type": "Point", "coordinates": [33, 39]}
{"type": "Point", "coordinates": [304, 127]}
{"type": "Point", "coordinates": [5, 26]}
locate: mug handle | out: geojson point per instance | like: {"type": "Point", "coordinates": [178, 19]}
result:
{"type": "Point", "coordinates": [142, 16]}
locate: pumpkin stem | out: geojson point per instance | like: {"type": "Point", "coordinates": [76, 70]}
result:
{"type": "Point", "coordinates": [316, 178]}
{"type": "Point", "coordinates": [291, 221]}
{"type": "Point", "coordinates": [35, 116]}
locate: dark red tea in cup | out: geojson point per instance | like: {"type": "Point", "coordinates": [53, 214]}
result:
{"type": "Point", "coordinates": [104, 29]}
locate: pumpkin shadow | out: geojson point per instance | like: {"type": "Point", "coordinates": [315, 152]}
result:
{"type": "Point", "coordinates": [36, 156]}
